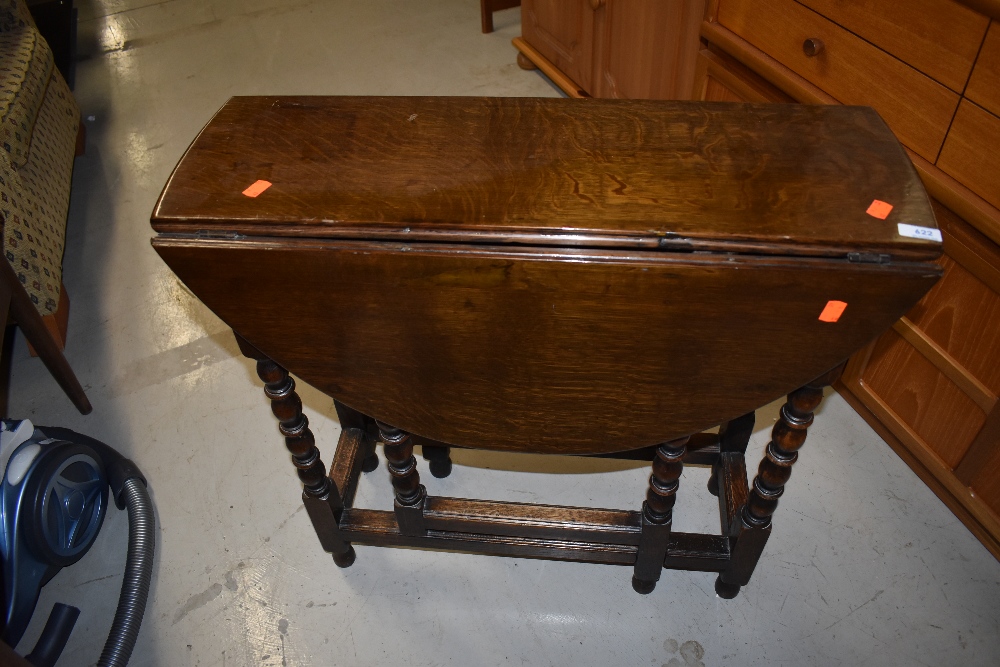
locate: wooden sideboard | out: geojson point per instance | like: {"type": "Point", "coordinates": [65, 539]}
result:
{"type": "Point", "coordinates": [632, 49]}
{"type": "Point", "coordinates": [931, 68]}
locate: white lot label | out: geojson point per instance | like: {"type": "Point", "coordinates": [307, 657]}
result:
{"type": "Point", "coordinates": [915, 232]}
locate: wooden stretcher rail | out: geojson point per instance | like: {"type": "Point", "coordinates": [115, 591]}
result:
{"type": "Point", "coordinates": [578, 524]}
{"type": "Point", "coordinates": [706, 553]}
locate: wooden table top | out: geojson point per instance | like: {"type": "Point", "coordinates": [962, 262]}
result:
{"type": "Point", "coordinates": [771, 179]}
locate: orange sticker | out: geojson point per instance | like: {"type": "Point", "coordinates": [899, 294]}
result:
{"type": "Point", "coordinates": [832, 311]}
{"type": "Point", "coordinates": [257, 188]}
{"type": "Point", "coordinates": [879, 209]}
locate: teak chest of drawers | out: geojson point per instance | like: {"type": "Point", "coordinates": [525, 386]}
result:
{"type": "Point", "coordinates": [548, 276]}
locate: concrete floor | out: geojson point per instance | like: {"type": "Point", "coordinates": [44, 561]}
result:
{"type": "Point", "coordinates": [865, 566]}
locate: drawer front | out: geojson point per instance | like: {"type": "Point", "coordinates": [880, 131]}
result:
{"type": "Point", "coordinates": [984, 86]}
{"type": "Point", "coordinates": [917, 108]}
{"type": "Point", "coordinates": [938, 37]}
{"type": "Point", "coordinates": [970, 153]}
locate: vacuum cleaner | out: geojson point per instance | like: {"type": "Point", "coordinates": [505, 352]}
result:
{"type": "Point", "coordinates": [53, 497]}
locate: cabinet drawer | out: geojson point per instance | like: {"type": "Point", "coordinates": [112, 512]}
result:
{"type": "Point", "coordinates": [984, 86]}
{"type": "Point", "coordinates": [917, 108]}
{"type": "Point", "coordinates": [938, 37]}
{"type": "Point", "coordinates": [970, 152]}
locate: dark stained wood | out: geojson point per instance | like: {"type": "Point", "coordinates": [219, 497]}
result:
{"type": "Point", "coordinates": [532, 350]}
{"type": "Point", "coordinates": [347, 463]}
{"type": "Point", "coordinates": [734, 436]}
{"type": "Point", "coordinates": [750, 533]}
{"type": "Point", "coordinates": [351, 418]}
{"type": "Point", "coordinates": [600, 172]}
{"type": "Point", "coordinates": [733, 491]}
{"type": "Point", "coordinates": [490, 517]}
{"type": "Point", "coordinates": [453, 288]}
{"type": "Point", "coordinates": [320, 495]}
{"type": "Point", "coordinates": [410, 493]}
{"type": "Point", "coordinates": [689, 551]}
{"type": "Point", "coordinates": [657, 514]}
{"type": "Point", "coordinates": [438, 459]}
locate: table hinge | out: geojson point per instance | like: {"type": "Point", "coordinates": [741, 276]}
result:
{"type": "Point", "coordinates": [215, 234]}
{"type": "Point", "coordinates": [868, 258]}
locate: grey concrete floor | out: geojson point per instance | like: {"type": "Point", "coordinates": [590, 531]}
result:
{"type": "Point", "coordinates": [865, 565]}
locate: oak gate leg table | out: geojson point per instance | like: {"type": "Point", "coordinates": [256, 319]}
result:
{"type": "Point", "coordinates": [583, 277]}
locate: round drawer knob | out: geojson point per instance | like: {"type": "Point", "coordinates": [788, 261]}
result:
{"type": "Point", "coordinates": [596, 4]}
{"type": "Point", "coordinates": [812, 46]}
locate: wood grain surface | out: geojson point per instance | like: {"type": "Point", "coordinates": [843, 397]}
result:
{"type": "Point", "coordinates": [764, 178]}
{"type": "Point", "coordinates": [984, 85]}
{"type": "Point", "coordinates": [938, 37]}
{"type": "Point", "coordinates": [970, 151]}
{"type": "Point", "coordinates": [542, 350]}
{"type": "Point", "coordinates": [853, 71]}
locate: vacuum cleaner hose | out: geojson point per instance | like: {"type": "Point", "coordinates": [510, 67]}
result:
{"type": "Point", "coordinates": [138, 572]}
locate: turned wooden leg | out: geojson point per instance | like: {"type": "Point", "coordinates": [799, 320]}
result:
{"type": "Point", "coordinates": [410, 493]}
{"type": "Point", "coordinates": [319, 494]}
{"type": "Point", "coordinates": [657, 514]}
{"type": "Point", "coordinates": [734, 436]}
{"type": "Point", "coordinates": [438, 458]}
{"type": "Point", "coordinates": [787, 437]}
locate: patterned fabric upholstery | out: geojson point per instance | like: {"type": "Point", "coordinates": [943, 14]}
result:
{"type": "Point", "coordinates": [26, 65]}
{"type": "Point", "coordinates": [35, 182]}
{"type": "Point", "coordinates": [15, 14]}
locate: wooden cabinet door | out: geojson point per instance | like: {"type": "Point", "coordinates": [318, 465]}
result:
{"type": "Point", "coordinates": [563, 32]}
{"type": "Point", "coordinates": [932, 381]}
{"type": "Point", "coordinates": [646, 49]}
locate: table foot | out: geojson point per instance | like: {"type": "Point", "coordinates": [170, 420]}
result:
{"type": "Point", "coordinates": [713, 483]}
{"type": "Point", "coordinates": [724, 590]}
{"type": "Point", "coordinates": [440, 469]}
{"type": "Point", "coordinates": [345, 559]}
{"type": "Point", "coordinates": [643, 587]}
{"type": "Point", "coordinates": [439, 460]}
{"type": "Point", "coordinates": [370, 463]}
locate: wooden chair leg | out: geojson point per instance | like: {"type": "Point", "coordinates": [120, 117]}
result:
{"type": "Point", "coordinates": [38, 335]}
{"type": "Point", "coordinates": [787, 437]}
{"type": "Point", "coordinates": [657, 514]}
{"type": "Point", "coordinates": [320, 495]}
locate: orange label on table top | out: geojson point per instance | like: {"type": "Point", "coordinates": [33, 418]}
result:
{"type": "Point", "coordinates": [879, 209]}
{"type": "Point", "coordinates": [832, 311]}
{"type": "Point", "coordinates": [257, 188]}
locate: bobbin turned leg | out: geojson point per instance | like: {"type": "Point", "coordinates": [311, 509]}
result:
{"type": "Point", "coordinates": [439, 460]}
{"type": "Point", "coordinates": [410, 493]}
{"type": "Point", "coordinates": [320, 495]}
{"type": "Point", "coordinates": [787, 437]}
{"type": "Point", "coordinates": [734, 436]}
{"type": "Point", "coordinates": [657, 514]}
